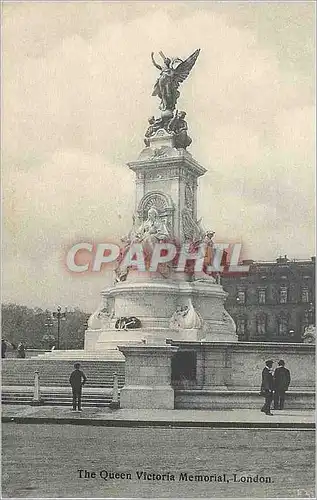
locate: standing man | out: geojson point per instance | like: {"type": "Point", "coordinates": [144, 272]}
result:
{"type": "Point", "coordinates": [267, 387]}
{"type": "Point", "coordinates": [77, 379]}
{"type": "Point", "coordinates": [282, 379]}
{"type": "Point", "coordinates": [3, 348]}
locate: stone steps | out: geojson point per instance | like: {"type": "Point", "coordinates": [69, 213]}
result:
{"type": "Point", "coordinates": [17, 372]}
{"type": "Point", "coordinates": [61, 382]}
{"type": "Point", "coordinates": [81, 355]}
{"type": "Point", "coordinates": [57, 398]}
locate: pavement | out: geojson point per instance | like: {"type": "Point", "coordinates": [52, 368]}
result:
{"type": "Point", "coordinates": [285, 419]}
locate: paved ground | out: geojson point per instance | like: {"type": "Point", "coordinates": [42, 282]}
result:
{"type": "Point", "coordinates": [41, 461]}
{"type": "Point", "coordinates": [134, 418]}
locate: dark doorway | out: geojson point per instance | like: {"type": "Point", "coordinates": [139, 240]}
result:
{"type": "Point", "coordinates": [184, 367]}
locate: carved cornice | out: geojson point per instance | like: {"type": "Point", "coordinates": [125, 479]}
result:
{"type": "Point", "coordinates": [184, 164]}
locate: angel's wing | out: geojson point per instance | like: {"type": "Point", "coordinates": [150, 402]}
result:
{"type": "Point", "coordinates": [183, 69]}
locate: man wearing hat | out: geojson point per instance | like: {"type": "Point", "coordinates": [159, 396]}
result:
{"type": "Point", "coordinates": [282, 380]}
{"type": "Point", "coordinates": [267, 387]}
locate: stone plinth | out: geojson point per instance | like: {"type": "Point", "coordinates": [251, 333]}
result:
{"type": "Point", "coordinates": [147, 377]}
{"type": "Point", "coordinates": [108, 339]}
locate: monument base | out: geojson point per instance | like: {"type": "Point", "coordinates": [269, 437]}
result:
{"type": "Point", "coordinates": [147, 397]}
{"type": "Point", "coordinates": [156, 303]}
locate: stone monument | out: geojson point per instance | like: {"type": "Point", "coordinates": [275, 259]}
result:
{"type": "Point", "coordinates": [166, 179]}
{"type": "Point", "coordinates": [168, 323]}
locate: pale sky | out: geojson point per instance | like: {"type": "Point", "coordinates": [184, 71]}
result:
{"type": "Point", "coordinates": [77, 84]}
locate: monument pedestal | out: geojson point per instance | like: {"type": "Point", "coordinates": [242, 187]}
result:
{"type": "Point", "coordinates": [147, 377]}
{"type": "Point", "coordinates": [154, 303]}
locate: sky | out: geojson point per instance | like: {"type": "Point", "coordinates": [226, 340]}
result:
{"type": "Point", "coordinates": [77, 85]}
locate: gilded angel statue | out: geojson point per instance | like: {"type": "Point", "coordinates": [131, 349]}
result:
{"type": "Point", "coordinates": [173, 72]}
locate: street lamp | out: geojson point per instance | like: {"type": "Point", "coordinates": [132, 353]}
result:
{"type": "Point", "coordinates": [59, 315]}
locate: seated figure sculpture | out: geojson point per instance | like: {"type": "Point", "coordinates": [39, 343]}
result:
{"type": "Point", "coordinates": [152, 231]}
{"type": "Point", "coordinates": [185, 317]}
{"type": "Point", "coordinates": [154, 126]}
{"type": "Point", "coordinates": [178, 127]}
{"type": "Point", "coordinates": [174, 125]}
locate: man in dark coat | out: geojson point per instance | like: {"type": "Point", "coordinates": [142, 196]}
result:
{"type": "Point", "coordinates": [77, 379]}
{"type": "Point", "coordinates": [282, 379]}
{"type": "Point", "coordinates": [267, 387]}
{"type": "Point", "coordinates": [3, 348]}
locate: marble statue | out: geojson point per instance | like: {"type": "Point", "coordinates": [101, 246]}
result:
{"type": "Point", "coordinates": [172, 73]}
{"type": "Point", "coordinates": [191, 227]}
{"type": "Point", "coordinates": [309, 336]}
{"type": "Point", "coordinates": [176, 321]}
{"type": "Point", "coordinates": [101, 318]}
{"type": "Point", "coordinates": [94, 322]}
{"type": "Point", "coordinates": [105, 317]}
{"type": "Point", "coordinates": [152, 231]}
{"type": "Point", "coordinates": [121, 274]}
{"type": "Point", "coordinates": [208, 241]}
{"type": "Point", "coordinates": [208, 238]}
{"type": "Point", "coordinates": [185, 317]}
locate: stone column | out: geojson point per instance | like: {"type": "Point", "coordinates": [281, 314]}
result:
{"type": "Point", "coordinates": [115, 392]}
{"type": "Point", "coordinates": [37, 400]}
{"type": "Point", "coordinates": [147, 377]}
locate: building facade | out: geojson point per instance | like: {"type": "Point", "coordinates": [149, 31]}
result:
{"type": "Point", "coordinates": [274, 301]}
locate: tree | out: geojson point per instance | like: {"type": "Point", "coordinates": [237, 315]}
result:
{"type": "Point", "coordinates": [21, 323]}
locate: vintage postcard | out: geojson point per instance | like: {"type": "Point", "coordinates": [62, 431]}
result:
{"type": "Point", "coordinates": [158, 313]}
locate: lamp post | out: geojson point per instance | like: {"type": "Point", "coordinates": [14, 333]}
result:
{"type": "Point", "coordinates": [59, 315]}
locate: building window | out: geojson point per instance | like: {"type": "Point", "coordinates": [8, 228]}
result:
{"type": "Point", "coordinates": [261, 324]}
{"type": "Point", "coordinates": [262, 296]}
{"type": "Point", "coordinates": [242, 328]}
{"type": "Point", "coordinates": [241, 297]}
{"type": "Point", "coordinates": [283, 295]}
{"type": "Point", "coordinates": [305, 294]}
{"type": "Point", "coordinates": [282, 327]}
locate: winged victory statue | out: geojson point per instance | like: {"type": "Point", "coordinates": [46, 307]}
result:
{"type": "Point", "coordinates": [173, 72]}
